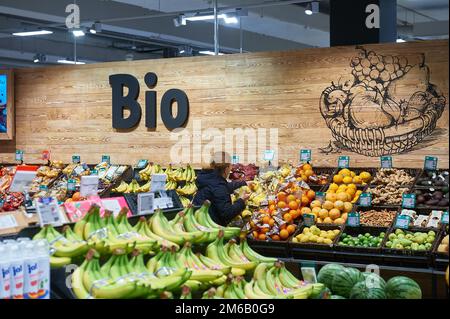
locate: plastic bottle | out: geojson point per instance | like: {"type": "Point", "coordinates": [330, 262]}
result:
{"type": "Point", "coordinates": [43, 258]}
{"type": "Point", "coordinates": [5, 282]}
{"type": "Point", "coordinates": [16, 270]}
{"type": "Point", "coordinates": [31, 270]}
{"type": "Point", "coordinates": [23, 239]}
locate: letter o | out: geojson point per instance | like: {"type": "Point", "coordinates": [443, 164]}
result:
{"type": "Point", "coordinates": [170, 97]}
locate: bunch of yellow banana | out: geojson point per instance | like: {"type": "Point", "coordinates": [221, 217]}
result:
{"type": "Point", "coordinates": [64, 247]}
{"type": "Point", "coordinates": [256, 199]}
{"type": "Point", "coordinates": [171, 185]}
{"type": "Point", "coordinates": [146, 173]}
{"type": "Point", "coordinates": [187, 190]}
{"type": "Point", "coordinates": [185, 201]}
{"type": "Point", "coordinates": [121, 277]}
{"type": "Point", "coordinates": [132, 188]}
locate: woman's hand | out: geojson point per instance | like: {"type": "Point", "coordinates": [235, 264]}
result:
{"type": "Point", "coordinates": [245, 196]}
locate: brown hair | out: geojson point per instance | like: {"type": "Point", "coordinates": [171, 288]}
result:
{"type": "Point", "coordinates": [220, 161]}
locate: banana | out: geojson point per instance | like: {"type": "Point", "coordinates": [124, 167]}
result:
{"type": "Point", "coordinates": [253, 255]}
{"type": "Point", "coordinates": [70, 250]}
{"type": "Point", "coordinates": [160, 240]}
{"type": "Point", "coordinates": [92, 272]}
{"type": "Point", "coordinates": [160, 226]}
{"type": "Point", "coordinates": [259, 277]}
{"type": "Point", "coordinates": [79, 225]}
{"type": "Point", "coordinates": [123, 288]}
{"type": "Point", "coordinates": [271, 284]}
{"type": "Point", "coordinates": [121, 188]}
{"type": "Point", "coordinates": [145, 188]}
{"type": "Point", "coordinates": [59, 262]}
{"type": "Point", "coordinates": [153, 262]}
{"type": "Point", "coordinates": [226, 259]}
{"type": "Point", "coordinates": [41, 234]}
{"type": "Point", "coordinates": [77, 282]}
{"type": "Point", "coordinates": [236, 253]}
{"type": "Point", "coordinates": [250, 292]}
{"type": "Point", "coordinates": [70, 234]}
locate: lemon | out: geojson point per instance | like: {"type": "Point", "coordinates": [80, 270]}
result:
{"type": "Point", "coordinates": [336, 231]}
{"type": "Point", "coordinates": [313, 239]}
{"type": "Point", "coordinates": [304, 240]}
{"type": "Point", "coordinates": [365, 176]}
{"type": "Point", "coordinates": [295, 240]}
{"type": "Point", "coordinates": [357, 180]}
{"type": "Point", "coordinates": [347, 180]}
{"type": "Point", "coordinates": [333, 186]}
{"type": "Point", "coordinates": [320, 240]}
{"type": "Point", "coordinates": [327, 241]}
{"type": "Point", "coordinates": [306, 230]}
{"type": "Point", "coordinates": [338, 179]}
{"type": "Point", "coordinates": [352, 174]}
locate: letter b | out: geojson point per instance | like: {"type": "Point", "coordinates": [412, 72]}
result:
{"type": "Point", "coordinates": [120, 102]}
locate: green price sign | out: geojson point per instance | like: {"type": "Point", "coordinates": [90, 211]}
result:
{"type": "Point", "coordinates": [353, 219]}
{"type": "Point", "coordinates": [386, 161]}
{"type": "Point", "coordinates": [305, 156]}
{"type": "Point", "coordinates": [235, 159]}
{"type": "Point", "coordinates": [444, 219]}
{"type": "Point", "coordinates": [76, 159]}
{"type": "Point", "coordinates": [106, 158]}
{"type": "Point", "coordinates": [409, 201]}
{"type": "Point", "coordinates": [430, 163]}
{"type": "Point", "coordinates": [308, 219]}
{"type": "Point", "coordinates": [365, 200]}
{"type": "Point", "coordinates": [71, 185]}
{"type": "Point", "coordinates": [402, 222]}
{"type": "Point", "coordinates": [320, 196]}
{"type": "Point", "coordinates": [19, 155]}
{"type": "Point", "coordinates": [344, 162]}
{"type": "Point", "coordinates": [142, 163]}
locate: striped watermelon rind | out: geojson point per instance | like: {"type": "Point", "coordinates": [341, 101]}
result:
{"type": "Point", "coordinates": [401, 287]}
{"type": "Point", "coordinates": [327, 272]}
{"type": "Point", "coordinates": [337, 297]}
{"type": "Point", "coordinates": [364, 290]}
{"type": "Point", "coordinates": [344, 281]}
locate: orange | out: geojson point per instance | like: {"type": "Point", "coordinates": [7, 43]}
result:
{"type": "Point", "coordinates": [283, 226]}
{"type": "Point", "coordinates": [311, 194]}
{"type": "Point", "coordinates": [305, 210]}
{"type": "Point", "coordinates": [281, 204]}
{"type": "Point", "coordinates": [339, 221]}
{"type": "Point", "coordinates": [347, 180]}
{"type": "Point", "coordinates": [316, 211]}
{"type": "Point", "coordinates": [295, 214]}
{"type": "Point", "coordinates": [271, 202]}
{"type": "Point", "coordinates": [316, 203]}
{"type": "Point", "coordinates": [323, 213]}
{"type": "Point", "coordinates": [262, 237]}
{"type": "Point", "coordinates": [266, 220]}
{"type": "Point", "coordinates": [338, 179]}
{"type": "Point", "coordinates": [275, 237]}
{"type": "Point", "coordinates": [271, 222]}
{"type": "Point", "coordinates": [351, 192]}
{"type": "Point", "coordinates": [348, 207]}
{"type": "Point", "coordinates": [255, 234]}
{"type": "Point", "coordinates": [307, 167]}
{"type": "Point", "coordinates": [287, 217]}
{"type": "Point", "coordinates": [309, 172]}
{"type": "Point", "coordinates": [305, 200]}
{"type": "Point", "coordinates": [331, 197]}
{"type": "Point", "coordinates": [281, 197]}
{"type": "Point", "coordinates": [339, 204]}
{"type": "Point", "coordinates": [76, 197]}
{"type": "Point", "coordinates": [328, 205]}
{"type": "Point", "coordinates": [284, 234]}
{"type": "Point", "coordinates": [342, 197]}
{"type": "Point", "coordinates": [290, 198]}
{"type": "Point", "coordinates": [293, 205]}
{"type": "Point", "coordinates": [272, 208]}
{"type": "Point", "coordinates": [327, 220]}
{"type": "Point", "coordinates": [334, 213]}
{"type": "Point", "coordinates": [265, 230]}
{"type": "Point", "coordinates": [319, 220]}
{"type": "Point", "coordinates": [290, 229]}
{"type": "Point", "coordinates": [344, 216]}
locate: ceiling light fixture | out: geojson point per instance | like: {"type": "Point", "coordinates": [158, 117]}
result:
{"type": "Point", "coordinates": [39, 58]}
{"type": "Point", "coordinates": [96, 28]}
{"type": "Point", "coordinates": [228, 18]}
{"type": "Point", "coordinates": [399, 40]}
{"type": "Point", "coordinates": [180, 20]}
{"type": "Point", "coordinates": [32, 33]}
{"type": "Point", "coordinates": [312, 7]}
{"type": "Point", "coordinates": [66, 61]}
{"type": "Point", "coordinates": [210, 52]}
{"type": "Point", "coordinates": [78, 33]}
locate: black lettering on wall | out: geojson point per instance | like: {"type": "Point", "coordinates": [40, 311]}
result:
{"type": "Point", "coordinates": [168, 99]}
{"type": "Point", "coordinates": [121, 102]}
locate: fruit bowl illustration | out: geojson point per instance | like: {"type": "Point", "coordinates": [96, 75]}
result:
{"type": "Point", "coordinates": [385, 106]}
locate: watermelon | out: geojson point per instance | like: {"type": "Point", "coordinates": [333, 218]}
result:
{"type": "Point", "coordinates": [326, 274]}
{"type": "Point", "coordinates": [336, 297]}
{"type": "Point", "coordinates": [365, 290]}
{"type": "Point", "coordinates": [401, 287]}
{"type": "Point", "coordinates": [344, 281]}
{"type": "Point", "coordinates": [373, 280]}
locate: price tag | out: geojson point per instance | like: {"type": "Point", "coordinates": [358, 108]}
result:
{"type": "Point", "coordinates": [309, 274]}
{"type": "Point", "coordinates": [106, 158]}
{"type": "Point", "coordinates": [365, 200]}
{"type": "Point", "coordinates": [386, 161]}
{"type": "Point", "coordinates": [305, 155]}
{"type": "Point", "coordinates": [43, 188]}
{"type": "Point", "coordinates": [353, 219]}
{"type": "Point", "coordinates": [142, 164]}
{"type": "Point", "coordinates": [46, 155]}
{"type": "Point", "coordinates": [344, 162]}
{"type": "Point", "coordinates": [94, 172]}
{"type": "Point", "coordinates": [444, 219]}
{"type": "Point", "coordinates": [320, 196]}
{"type": "Point", "coordinates": [409, 201]}
{"type": "Point", "coordinates": [430, 163]}
{"type": "Point", "coordinates": [76, 159]}
{"type": "Point", "coordinates": [19, 155]}
{"type": "Point", "coordinates": [269, 155]}
{"type": "Point", "coordinates": [7, 221]}
{"type": "Point", "coordinates": [158, 182]}
{"type": "Point", "coordinates": [48, 211]}
{"type": "Point", "coordinates": [308, 219]}
{"type": "Point", "coordinates": [89, 185]}
{"type": "Point", "coordinates": [235, 159]}
{"type": "Point", "coordinates": [146, 203]}
{"type": "Point", "coordinates": [71, 185]}
{"type": "Point", "coordinates": [403, 222]}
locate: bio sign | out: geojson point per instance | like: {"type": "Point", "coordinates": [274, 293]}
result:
{"type": "Point", "coordinates": [120, 102]}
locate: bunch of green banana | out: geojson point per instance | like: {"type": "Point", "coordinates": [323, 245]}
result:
{"type": "Point", "coordinates": [185, 201]}
{"type": "Point", "coordinates": [229, 255]}
{"type": "Point", "coordinates": [64, 247]}
{"type": "Point", "coordinates": [146, 173]}
{"type": "Point", "coordinates": [204, 219]}
{"type": "Point", "coordinates": [143, 228]}
{"type": "Point", "coordinates": [187, 190]}
{"type": "Point", "coordinates": [171, 185]}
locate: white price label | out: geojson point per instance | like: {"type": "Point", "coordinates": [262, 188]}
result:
{"type": "Point", "coordinates": [269, 155]}
{"type": "Point", "coordinates": [158, 182]}
{"type": "Point", "coordinates": [8, 221]}
{"type": "Point", "coordinates": [146, 203]}
{"type": "Point", "coordinates": [89, 185]}
{"type": "Point", "coordinates": [48, 211]}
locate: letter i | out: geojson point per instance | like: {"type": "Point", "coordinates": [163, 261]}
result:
{"type": "Point", "coordinates": [151, 79]}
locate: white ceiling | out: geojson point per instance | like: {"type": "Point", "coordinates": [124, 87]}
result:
{"type": "Point", "coordinates": [269, 28]}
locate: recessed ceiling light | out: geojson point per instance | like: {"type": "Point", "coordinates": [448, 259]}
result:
{"type": "Point", "coordinates": [312, 7]}
{"type": "Point", "coordinates": [78, 32]}
{"type": "Point", "coordinates": [31, 33]}
{"type": "Point", "coordinates": [66, 61]}
{"type": "Point", "coordinates": [210, 52]}
{"type": "Point", "coordinates": [399, 40]}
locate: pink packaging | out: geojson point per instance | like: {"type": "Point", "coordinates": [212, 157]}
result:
{"type": "Point", "coordinates": [76, 210]}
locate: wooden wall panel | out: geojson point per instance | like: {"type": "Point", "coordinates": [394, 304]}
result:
{"type": "Point", "coordinates": [67, 109]}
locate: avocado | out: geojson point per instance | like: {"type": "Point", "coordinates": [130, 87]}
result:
{"type": "Point", "coordinates": [443, 202]}
{"type": "Point", "coordinates": [438, 195]}
{"type": "Point", "coordinates": [432, 202]}
{"type": "Point", "coordinates": [421, 199]}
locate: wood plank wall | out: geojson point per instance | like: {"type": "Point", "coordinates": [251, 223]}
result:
{"type": "Point", "coordinates": [67, 109]}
